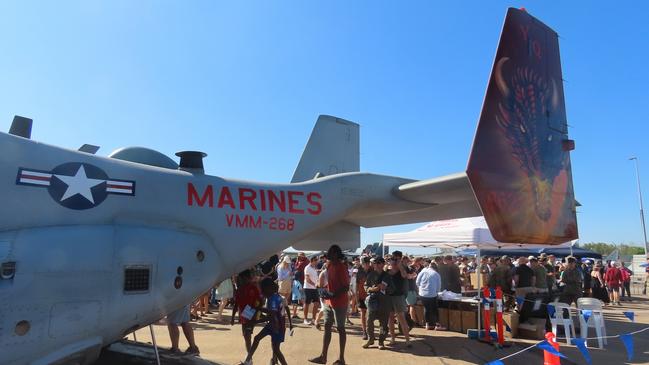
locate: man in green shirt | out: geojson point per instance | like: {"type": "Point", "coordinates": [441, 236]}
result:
{"type": "Point", "coordinates": [501, 277]}
{"type": "Point", "coordinates": [548, 264]}
{"type": "Point", "coordinates": [540, 273]}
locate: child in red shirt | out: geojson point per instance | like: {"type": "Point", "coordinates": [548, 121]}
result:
{"type": "Point", "coordinates": [248, 301]}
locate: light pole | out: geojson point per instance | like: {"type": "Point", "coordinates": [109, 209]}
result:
{"type": "Point", "coordinates": [644, 229]}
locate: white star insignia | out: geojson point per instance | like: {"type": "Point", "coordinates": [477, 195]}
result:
{"type": "Point", "coordinates": [79, 184]}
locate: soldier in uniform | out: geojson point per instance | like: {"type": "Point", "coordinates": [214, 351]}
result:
{"type": "Point", "coordinates": [572, 282]}
{"type": "Point", "coordinates": [501, 277]}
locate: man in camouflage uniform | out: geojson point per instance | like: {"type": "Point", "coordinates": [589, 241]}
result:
{"type": "Point", "coordinates": [502, 276]}
{"type": "Point", "coordinates": [572, 280]}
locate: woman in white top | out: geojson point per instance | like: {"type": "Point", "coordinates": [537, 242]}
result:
{"type": "Point", "coordinates": [285, 278]}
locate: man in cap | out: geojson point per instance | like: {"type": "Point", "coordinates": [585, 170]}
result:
{"type": "Point", "coordinates": [377, 285]}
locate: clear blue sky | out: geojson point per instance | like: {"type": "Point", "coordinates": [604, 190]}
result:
{"type": "Point", "coordinates": [245, 81]}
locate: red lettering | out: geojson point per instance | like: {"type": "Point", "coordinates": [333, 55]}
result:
{"type": "Point", "coordinates": [225, 198]}
{"type": "Point", "coordinates": [207, 197]}
{"type": "Point", "coordinates": [255, 222]}
{"type": "Point", "coordinates": [229, 218]}
{"type": "Point", "coordinates": [316, 206]}
{"type": "Point", "coordinates": [262, 198]}
{"type": "Point", "coordinates": [241, 223]}
{"type": "Point", "coordinates": [274, 200]}
{"type": "Point", "coordinates": [247, 195]}
{"type": "Point", "coordinates": [292, 202]}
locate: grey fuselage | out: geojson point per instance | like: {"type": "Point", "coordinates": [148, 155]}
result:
{"type": "Point", "coordinates": [69, 281]}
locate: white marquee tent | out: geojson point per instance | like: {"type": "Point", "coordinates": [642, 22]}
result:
{"type": "Point", "coordinates": [454, 233]}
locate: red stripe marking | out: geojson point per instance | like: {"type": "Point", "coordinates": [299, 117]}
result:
{"type": "Point", "coordinates": [121, 187]}
{"type": "Point", "coordinates": [42, 178]}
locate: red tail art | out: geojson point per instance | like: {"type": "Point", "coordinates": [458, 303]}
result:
{"type": "Point", "coordinates": [520, 164]}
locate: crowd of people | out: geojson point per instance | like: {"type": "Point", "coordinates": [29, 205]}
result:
{"type": "Point", "coordinates": [398, 291]}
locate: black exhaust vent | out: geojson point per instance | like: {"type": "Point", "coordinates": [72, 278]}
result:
{"type": "Point", "coordinates": [191, 160]}
{"type": "Point", "coordinates": [136, 279]}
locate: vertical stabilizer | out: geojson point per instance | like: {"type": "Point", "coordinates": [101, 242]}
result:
{"type": "Point", "coordinates": [333, 148]}
{"type": "Point", "coordinates": [519, 167]}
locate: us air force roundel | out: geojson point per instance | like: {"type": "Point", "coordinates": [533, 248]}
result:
{"type": "Point", "coordinates": [76, 185]}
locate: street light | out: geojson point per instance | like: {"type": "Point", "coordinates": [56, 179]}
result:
{"type": "Point", "coordinates": [644, 229]}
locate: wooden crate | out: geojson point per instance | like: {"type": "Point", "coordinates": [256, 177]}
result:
{"type": "Point", "coordinates": [511, 318]}
{"type": "Point", "coordinates": [443, 316]}
{"type": "Point", "coordinates": [455, 320]}
{"type": "Point", "coordinates": [469, 320]}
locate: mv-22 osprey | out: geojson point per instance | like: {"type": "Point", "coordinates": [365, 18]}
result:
{"type": "Point", "coordinates": [94, 247]}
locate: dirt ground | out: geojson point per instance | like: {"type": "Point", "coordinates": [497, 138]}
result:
{"type": "Point", "coordinates": [221, 343]}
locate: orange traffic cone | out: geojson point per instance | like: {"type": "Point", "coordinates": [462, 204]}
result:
{"type": "Point", "coordinates": [548, 358]}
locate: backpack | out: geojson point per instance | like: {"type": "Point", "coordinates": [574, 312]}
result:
{"type": "Point", "coordinates": [626, 276]}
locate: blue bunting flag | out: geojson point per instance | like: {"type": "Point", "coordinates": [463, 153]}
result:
{"type": "Point", "coordinates": [520, 300]}
{"type": "Point", "coordinates": [581, 345]}
{"type": "Point", "coordinates": [627, 340]}
{"type": "Point", "coordinates": [545, 346]}
{"type": "Point", "coordinates": [495, 362]}
{"type": "Point", "coordinates": [586, 313]}
{"type": "Point", "coordinates": [630, 315]}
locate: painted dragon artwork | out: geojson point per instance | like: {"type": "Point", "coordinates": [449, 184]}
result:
{"type": "Point", "coordinates": [523, 133]}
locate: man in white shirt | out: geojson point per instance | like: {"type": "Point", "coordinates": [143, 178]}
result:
{"type": "Point", "coordinates": [429, 283]}
{"type": "Point", "coordinates": [311, 290]}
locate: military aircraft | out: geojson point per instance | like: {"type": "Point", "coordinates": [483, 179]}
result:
{"type": "Point", "coordinates": [93, 248]}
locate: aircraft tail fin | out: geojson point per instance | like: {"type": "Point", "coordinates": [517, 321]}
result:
{"type": "Point", "coordinates": [519, 168]}
{"type": "Point", "coordinates": [333, 148]}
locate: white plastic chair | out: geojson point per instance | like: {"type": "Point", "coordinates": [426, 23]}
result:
{"type": "Point", "coordinates": [558, 320]}
{"type": "Point", "coordinates": [596, 320]}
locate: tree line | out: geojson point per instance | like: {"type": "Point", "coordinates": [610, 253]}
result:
{"type": "Point", "coordinates": [604, 248]}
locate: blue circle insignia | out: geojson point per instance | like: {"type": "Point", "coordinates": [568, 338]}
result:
{"type": "Point", "coordinates": [78, 185]}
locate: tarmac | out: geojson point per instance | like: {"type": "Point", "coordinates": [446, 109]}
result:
{"type": "Point", "coordinates": [223, 344]}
